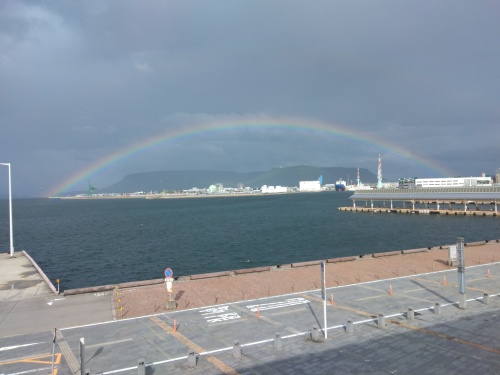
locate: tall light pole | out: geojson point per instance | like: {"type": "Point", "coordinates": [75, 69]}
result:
{"type": "Point", "coordinates": [10, 212]}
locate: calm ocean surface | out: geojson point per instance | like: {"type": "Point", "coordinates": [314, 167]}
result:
{"type": "Point", "coordinates": [97, 242]}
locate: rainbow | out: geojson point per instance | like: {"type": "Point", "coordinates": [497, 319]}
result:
{"type": "Point", "coordinates": [247, 123]}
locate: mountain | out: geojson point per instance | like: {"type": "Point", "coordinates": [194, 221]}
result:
{"type": "Point", "coordinates": [179, 180]}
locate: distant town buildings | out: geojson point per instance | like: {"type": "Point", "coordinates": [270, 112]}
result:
{"type": "Point", "coordinates": [273, 189]}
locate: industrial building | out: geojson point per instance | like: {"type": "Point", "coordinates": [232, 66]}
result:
{"type": "Point", "coordinates": [273, 189]}
{"type": "Point", "coordinates": [305, 186]}
{"type": "Point", "coordinates": [411, 183]}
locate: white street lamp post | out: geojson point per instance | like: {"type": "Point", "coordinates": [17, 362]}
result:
{"type": "Point", "coordinates": [10, 212]}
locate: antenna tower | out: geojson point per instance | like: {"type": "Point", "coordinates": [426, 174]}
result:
{"type": "Point", "coordinates": [379, 173]}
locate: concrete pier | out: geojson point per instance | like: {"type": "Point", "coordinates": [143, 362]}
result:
{"type": "Point", "coordinates": [422, 211]}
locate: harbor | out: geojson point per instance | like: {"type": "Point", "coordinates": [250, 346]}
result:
{"type": "Point", "coordinates": [456, 201]}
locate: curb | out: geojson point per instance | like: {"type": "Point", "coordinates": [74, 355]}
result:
{"type": "Point", "coordinates": [42, 274]}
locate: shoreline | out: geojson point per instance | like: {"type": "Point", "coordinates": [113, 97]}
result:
{"type": "Point", "coordinates": [266, 269]}
{"type": "Point", "coordinates": [181, 195]}
{"type": "Point", "coordinates": [149, 297]}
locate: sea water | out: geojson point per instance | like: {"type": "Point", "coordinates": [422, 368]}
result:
{"type": "Point", "coordinates": [108, 241]}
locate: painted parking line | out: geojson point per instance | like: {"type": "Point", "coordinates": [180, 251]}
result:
{"type": "Point", "coordinates": [222, 366]}
{"type": "Point", "coordinates": [372, 297]}
{"type": "Point", "coordinates": [447, 337]}
{"type": "Point", "coordinates": [45, 359]}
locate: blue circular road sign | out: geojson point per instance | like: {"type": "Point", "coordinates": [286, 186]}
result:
{"type": "Point", "coordinates": [168, 272]}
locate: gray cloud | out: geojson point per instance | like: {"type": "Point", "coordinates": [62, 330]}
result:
{"type": "Point", "coordinates": [80, 81]}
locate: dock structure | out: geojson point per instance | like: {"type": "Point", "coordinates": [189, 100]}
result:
{"type": "Point", "coordinates": [473, 201]}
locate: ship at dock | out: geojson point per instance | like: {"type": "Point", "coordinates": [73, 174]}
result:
{"type": "Point", "coordinates": [340, 185]}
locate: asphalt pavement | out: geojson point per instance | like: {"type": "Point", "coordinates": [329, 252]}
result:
{"type": "Point", "coordinates": [276, 335]}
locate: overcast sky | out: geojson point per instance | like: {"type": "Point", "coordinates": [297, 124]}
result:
{"type": "Point", "coordinates": [82, 80]}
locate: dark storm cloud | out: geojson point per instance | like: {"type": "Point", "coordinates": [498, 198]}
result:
{"type": "Point", "coordinates": [81, 80]}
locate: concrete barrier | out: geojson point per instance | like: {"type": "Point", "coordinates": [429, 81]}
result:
{"type": "Point", "coordinates": [479, 243]}
{"type": "Point", "coordinates": [344, 259]}
{"type": "Point", "coordinates": [210, 275]}
{"type": "Point", "coordinates": [278, 344]}
{"type": "Point", "coordinates": [437, 308]}
{"type": "Point", "coordinates": [410, 315]}
{"type": "Point", "coordinates": [140, 283]}
{"type": "Point", "coordinates": [281, 267]}
{"type": "Point", "coordinates": [236, 349]}
{"type": "Point", "coordinates": [191, 359]}
{"type": "Point", "coordinates": [105, 288]}
{"type": "Point", "coordinates": [386, 254]}
{"type": "Point", "coordinates": [381, 320]}
{"type": "Point", "coordinates": [315, 334]}
{"type": "Point", "coordinates": [251, 270]}
{"type": "Point", "coordinates": [486, 298]}
{"type": "Point", "coordinates": [306, 264]}
{"type": "Point", "coordinates": [412, 251]}
{"type": "Point", "coordinates": [349, 327]}
{"type": "Point", "coordinates": [92, 289]}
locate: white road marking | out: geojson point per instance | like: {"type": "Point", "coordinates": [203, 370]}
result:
{"type": "Point", "coordinates": [278, 305]}
{"type": "Point", "coordinates": [30, 371]}
{"type": "Point", "coordinates": [18, 346]}
{"type": "Point", "coordinates": [109, 343]}
{"type": "Point", "coordinates": [100, 294]}
{"type": "Point", "coordinates": [219, 314]}
{"type": "Point", "coordinates": [53, 300]}
{"type": "Point", "coordinates": [372, 297]}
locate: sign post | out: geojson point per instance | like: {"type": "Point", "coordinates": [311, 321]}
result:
{"type": "Point", "coordinates": [54, 348]}
{"type": "Point", "coordinates": [462, 303]}
{"type": "Point", "coordinates": [452, 255]}
{"type": "Point", "coordinates": [323, 296]}
{"type": "Point", "coordinates": [171, 304]}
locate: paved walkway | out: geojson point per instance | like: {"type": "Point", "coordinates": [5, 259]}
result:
{"type": "Point", "coordinates": [131, 302]}
{"type": "Point", "coordinates": [28, 303]}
